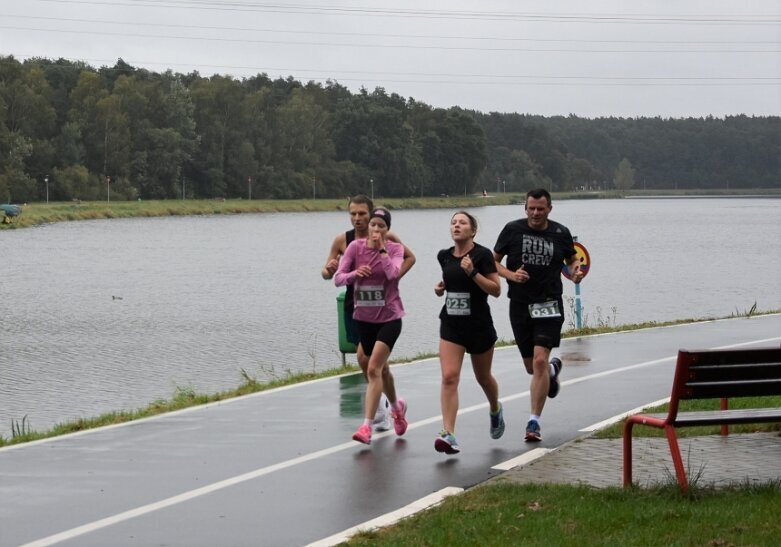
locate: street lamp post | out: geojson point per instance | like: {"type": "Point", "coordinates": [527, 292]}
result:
{"type": "Point", "coordinates": [183, 185]}
{"type": "Point", "coordinates": [314, 187]}
{"type": "Point", "coordinates": [249, 188]}
{"type": "Point", "coordinates": [108, 189]}
{"type": "Point", "coordinates": [371, 181]}
{"type": "Point", "coordinates": [46, 180]}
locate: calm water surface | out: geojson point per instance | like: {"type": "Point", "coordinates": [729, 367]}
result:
{"type": "Point", "coordinates": [107, 315]}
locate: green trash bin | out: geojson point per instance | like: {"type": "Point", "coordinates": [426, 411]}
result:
{"type": "Point", "coordinates": [345, 346]}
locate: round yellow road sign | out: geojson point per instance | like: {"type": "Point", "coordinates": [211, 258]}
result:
{"type": "Point", "coordinates": [585, 261]}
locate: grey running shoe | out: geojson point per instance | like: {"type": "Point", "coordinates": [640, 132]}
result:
{"type": "Point", "coordinates": [446, 442]}
{"type": "Point", "coordinates": [554, 387]}
{"type": "Point", "coordinates": [533, 434]}
{"type": "Point", "coordinates": [497, 423]}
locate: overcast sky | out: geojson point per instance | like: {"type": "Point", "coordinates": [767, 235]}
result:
{"type": "Point", "coordinates": [589, 58]}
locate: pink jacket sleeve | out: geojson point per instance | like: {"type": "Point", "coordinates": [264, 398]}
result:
{"type": "Point", "coordinates": [345, 275]}
{"type": "Point", "coordinates": [392, 266]}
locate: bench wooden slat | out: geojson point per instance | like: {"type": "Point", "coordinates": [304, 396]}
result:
{"type": "Point", "coordinates": [741, 388]}
{"type": "Point", "coordinates": [719, 417]}
{"type": "Point", "coordinates": [741, 371]}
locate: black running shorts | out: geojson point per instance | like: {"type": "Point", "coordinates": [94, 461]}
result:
{"type": "Point", "coordinates": [528, 332]}
{"type": "Point", "coordinates": [370, 333]}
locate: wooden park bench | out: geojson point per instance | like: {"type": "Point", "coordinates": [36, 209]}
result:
{"type": "Point", "coordinates": [712, 374]}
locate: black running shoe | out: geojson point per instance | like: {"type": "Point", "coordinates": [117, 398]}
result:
{"type": "Point", "coordinates": [553, 388]}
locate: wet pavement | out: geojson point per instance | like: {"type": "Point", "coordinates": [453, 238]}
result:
{"type": "Point", "coordinates": [279, 468]}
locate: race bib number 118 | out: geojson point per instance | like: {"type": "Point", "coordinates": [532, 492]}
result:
{"type": "Point", "coordinates": [370, 296]}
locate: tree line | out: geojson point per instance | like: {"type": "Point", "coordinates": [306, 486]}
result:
{"type": "Point", "coordinates": [71, 131]}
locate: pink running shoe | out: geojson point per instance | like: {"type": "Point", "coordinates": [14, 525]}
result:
{"type": "Point", "coordinates": [363, 434]}
{"type": "Point", "coordinates": [399, 418]}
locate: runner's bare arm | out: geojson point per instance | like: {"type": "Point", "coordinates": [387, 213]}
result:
{"type": "Point", "coordinates": [337, 250]}
{"type": "Point", "coordinates": [518, 276]}
{"type": "Point", "coordinates": [489, 283]}
{"type": "Point", "coordinates": [500, 268]}
{"type": "Point", "coordinates": [409, 256]}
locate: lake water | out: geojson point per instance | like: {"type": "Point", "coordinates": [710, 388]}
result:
{"type": "Point", "coordinates": [113, 314]}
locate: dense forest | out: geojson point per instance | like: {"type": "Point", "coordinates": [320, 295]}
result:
{"type": "Point", "coordinates": [70, 131]}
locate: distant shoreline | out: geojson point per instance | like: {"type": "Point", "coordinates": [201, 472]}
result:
{"type": "Point", "coordinates": [36, 214]}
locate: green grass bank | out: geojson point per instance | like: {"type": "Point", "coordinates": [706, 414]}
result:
{"type": "Point", "coordinates": [35, 214]}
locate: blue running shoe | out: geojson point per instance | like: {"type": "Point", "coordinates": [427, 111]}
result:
{"type": "Point", "coordinates": [554, 387]}
{"type": "Point", "coordinates": [497, 423]}
{"type": "Point", "coordinates": [533, 434]}
{"type": "Point", "coordinates": [446, 442]}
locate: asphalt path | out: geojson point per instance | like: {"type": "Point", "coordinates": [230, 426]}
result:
{"type": "Point", "coordinates": [279, 468]}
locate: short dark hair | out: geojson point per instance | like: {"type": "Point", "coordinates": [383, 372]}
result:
{"type": "Point", "coordinates": [538, 193]}
{"type": "Point", "coordinates": [362, 199]}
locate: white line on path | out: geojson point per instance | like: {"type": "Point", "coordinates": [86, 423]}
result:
{"type": "Point", "coordinates": [619, 417]}
{"type": "Point", "coordinates": [389, 518]}
{"type": "Point", "coordinates": [232, 481]}
{"type": "Point", "coordinates": [523, 459]}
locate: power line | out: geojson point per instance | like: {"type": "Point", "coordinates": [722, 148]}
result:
{"type": "Point", "coordinates": [378, 46]}
{"type": "Point", "coordinates": [752, 19]}
{"type": "Point", "coordinates": [390, 35]}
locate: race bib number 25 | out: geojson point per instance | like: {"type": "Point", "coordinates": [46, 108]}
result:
{"type": "Point", "coordinates": [458, 303]}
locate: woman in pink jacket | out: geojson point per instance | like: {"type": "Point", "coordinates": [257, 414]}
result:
{"type": "Point", "coordinates": [372, 266]}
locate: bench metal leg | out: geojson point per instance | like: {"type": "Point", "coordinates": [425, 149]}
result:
{"type": "Point", "coordinates": [628, 453]}
{"type": "Point", "coordinates": [675, 452]}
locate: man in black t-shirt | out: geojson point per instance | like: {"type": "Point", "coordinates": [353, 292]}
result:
{"type": "Point", "coordinates": [535, 248]}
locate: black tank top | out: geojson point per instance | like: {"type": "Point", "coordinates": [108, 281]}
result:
{"type": "Point", "coordinates": [349, 237]}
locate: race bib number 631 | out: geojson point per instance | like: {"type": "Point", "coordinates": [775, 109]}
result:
{"type": "Point", "coordinates": [544, 310]}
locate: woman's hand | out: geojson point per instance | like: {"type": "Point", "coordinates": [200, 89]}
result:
{"type": "Point", "coordinates": [439, 288]}
{"type": "Point", "coordinates": [467, 265]}
{"type": "Point", "coordinates": [377, 240]}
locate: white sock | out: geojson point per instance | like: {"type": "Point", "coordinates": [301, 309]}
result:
{"type": "Point", "coordinates": [534, 417]}
{"type": "Point", "coordinates": [552, 370]}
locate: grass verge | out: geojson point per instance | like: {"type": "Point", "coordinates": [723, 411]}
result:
{"type": "Point", "coordinates": [21, 430]}
{"type": "Point", "coordinates": [547, 514]}
{"type": "Point", "coordinates": [35, 214]}
{"type": "Point", "coordinates": [183, 398]}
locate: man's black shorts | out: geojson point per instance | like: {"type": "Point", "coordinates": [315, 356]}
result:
{"type": "Point", "coordinates": [528, 332]}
